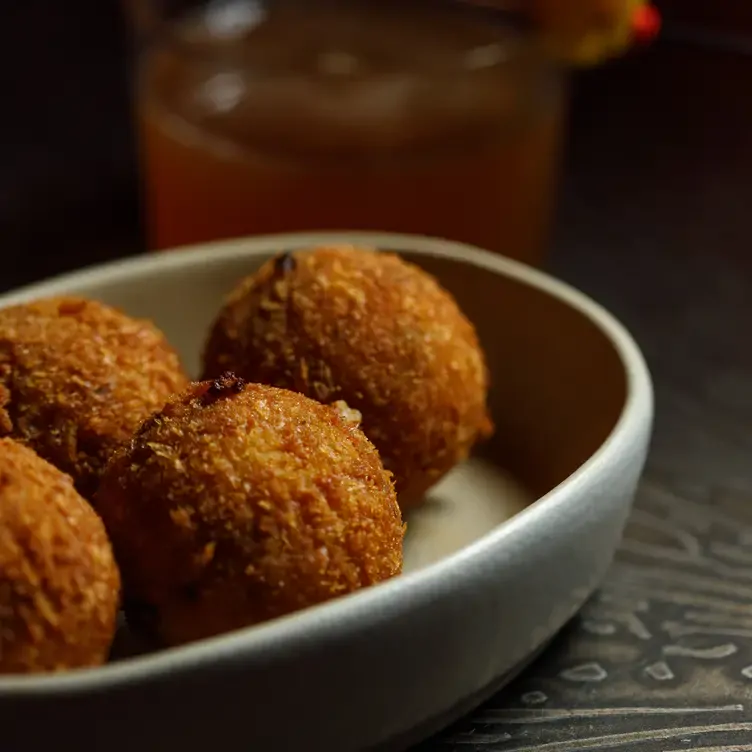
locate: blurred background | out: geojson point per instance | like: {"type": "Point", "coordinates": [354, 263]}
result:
{"type": "Point", "coordinates": [657, 150]}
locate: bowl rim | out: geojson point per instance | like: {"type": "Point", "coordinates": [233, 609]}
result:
{"type": "Point", "coordinates": [338, 615]}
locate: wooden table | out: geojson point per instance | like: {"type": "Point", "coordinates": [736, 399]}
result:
{"type": "Point", "coordinates": [656, 223]}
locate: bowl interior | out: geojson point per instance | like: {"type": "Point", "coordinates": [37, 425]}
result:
{"type": "Point", "coordinates": [558, 383]}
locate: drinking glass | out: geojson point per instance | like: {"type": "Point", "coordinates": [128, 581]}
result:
{"type": "Point", "coordinates": [429, 117]}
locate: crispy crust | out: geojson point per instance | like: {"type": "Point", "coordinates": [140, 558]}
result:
{"type": "Point", "coordinates": [77, 377]}
{"type": "Point", "coordinates": [374, 331]}
{"type": "Point", "coordinates": [59, 584]}
{"type": "Point", "coordinates": [239, 503]}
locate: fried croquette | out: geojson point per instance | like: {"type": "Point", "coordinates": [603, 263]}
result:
{"type": "Point", "coordinates": [76, 379]}
{"type": "Point", "coordinates": [59, 584]}
{"type": "Point", "coordinates": [375, 331]}
{"type": "Point", "coordinates": [238, 503]}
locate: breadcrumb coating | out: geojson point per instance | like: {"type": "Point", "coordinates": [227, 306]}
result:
{"type": "Point", "coordinates": [77, 377]}
{"type": "Point", "coordinates": [344, 323]}
{"type": "Point", "coordinates": [59, 584]}
{"type": "Point", "coordinates": [239, 503]}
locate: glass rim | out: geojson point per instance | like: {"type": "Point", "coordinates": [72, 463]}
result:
{"type": "Point", "coordinates": [520, 41]}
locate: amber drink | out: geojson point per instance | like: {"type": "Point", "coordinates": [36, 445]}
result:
{"type": "Point", "coordinates": [405, 117]}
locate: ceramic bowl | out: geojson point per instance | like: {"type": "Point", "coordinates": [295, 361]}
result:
{"type": "Point", "coordinates": [505, 551]}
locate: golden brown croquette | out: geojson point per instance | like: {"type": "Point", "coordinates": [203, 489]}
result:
{"type": "Point", "coordinates": [239, 503]}
{"type": "Point", "coordinates": [344, 323]}
{"type": "Point", "coordinates": [77, 377]}
{"type": "Point", "coordinates": [59, 584]}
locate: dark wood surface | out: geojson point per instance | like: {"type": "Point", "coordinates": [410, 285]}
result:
{"type": "Point", "coordinates": [733, 16]}
{"type": "Point", "coordinates": [655, 222]}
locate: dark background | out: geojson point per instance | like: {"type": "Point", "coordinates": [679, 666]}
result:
{"type": "Point", "coordinates": [68, 186]}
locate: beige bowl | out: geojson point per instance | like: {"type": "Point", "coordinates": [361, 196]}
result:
{"type": "Point", "coordinates": [506, 550]}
